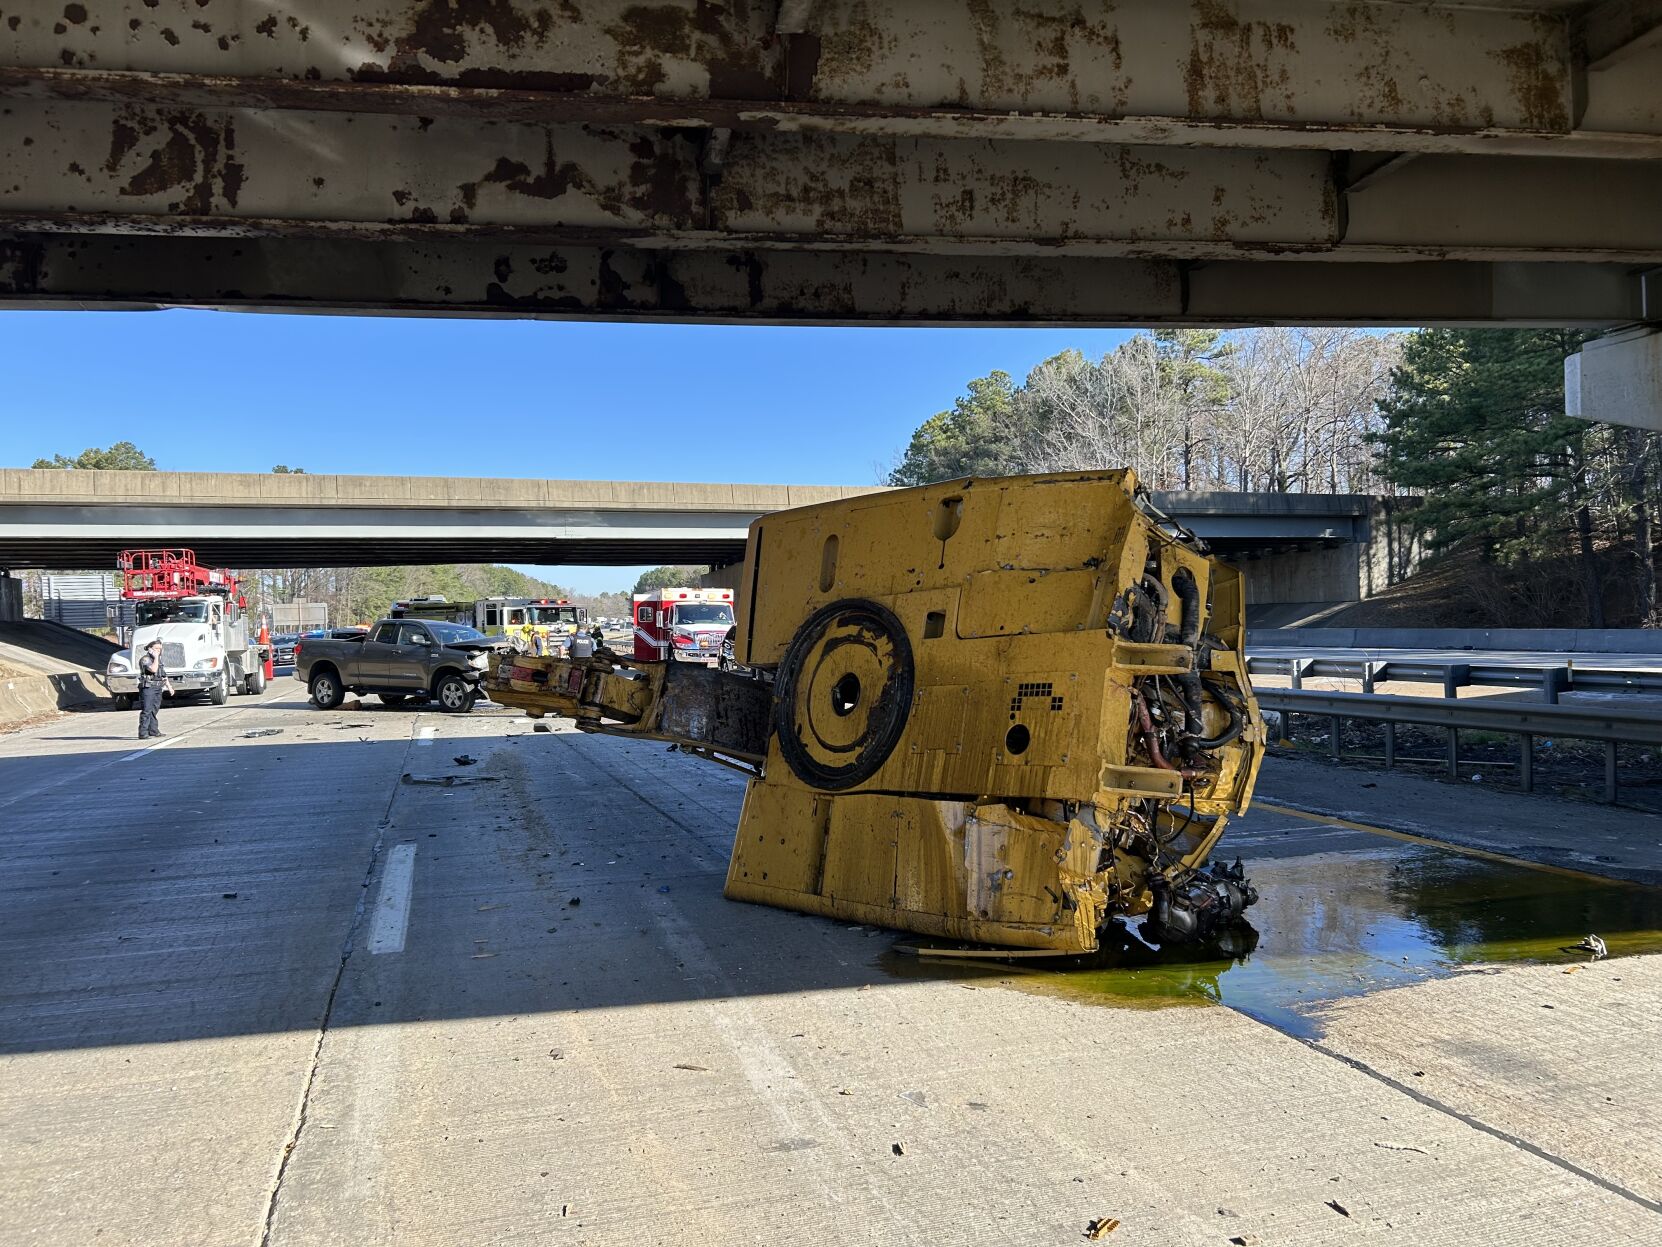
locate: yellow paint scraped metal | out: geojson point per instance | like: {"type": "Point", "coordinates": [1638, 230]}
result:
{"type": "Point", "coordinates": [1001, 711]}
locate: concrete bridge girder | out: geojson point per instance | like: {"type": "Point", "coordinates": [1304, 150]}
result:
{"type": "Point", "coordinates": [837, 161]}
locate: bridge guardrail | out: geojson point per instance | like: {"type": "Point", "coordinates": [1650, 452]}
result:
{"type": "Point", "coordinates": [1525, 720]}
{"type": "Point", "coordinates": [1551, 680]}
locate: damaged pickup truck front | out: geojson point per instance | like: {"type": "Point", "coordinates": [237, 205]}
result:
{"type": "Point", "coordinates": [397, 660]}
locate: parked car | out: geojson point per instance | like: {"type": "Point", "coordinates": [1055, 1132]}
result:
{"type": "Point", "coordinates": [395, 660]}
{"type": "Point", "coordinates": [282, 648]}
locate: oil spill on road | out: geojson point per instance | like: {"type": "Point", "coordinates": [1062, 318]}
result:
{"type": "Point", "coordinates": [1330, 925]}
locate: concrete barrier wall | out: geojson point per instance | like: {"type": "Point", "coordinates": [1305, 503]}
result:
{"type": "Point", "coordinates": [25, 697]}
{"type": "Point", "coordinates": [11, 599]}
{"type": "Point", "coordinates": [1546, 640]}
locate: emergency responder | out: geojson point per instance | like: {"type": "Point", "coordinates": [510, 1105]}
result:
{"type": "Point", "coordinates": [153, 682]}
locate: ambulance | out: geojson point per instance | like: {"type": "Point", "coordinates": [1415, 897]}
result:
{"type": "Point", "coordinates": [682, 625]}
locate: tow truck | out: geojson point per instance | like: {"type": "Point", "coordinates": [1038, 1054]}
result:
{"type": "Point", "coordinates": [1006, 711]}
{"type": "Point", "coordinates": [197, 613]}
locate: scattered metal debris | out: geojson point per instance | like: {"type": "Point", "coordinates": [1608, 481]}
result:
{"type": "Point", "coordinates": [1338, 1207]}
{"type": "Point", "coordinates": [697, 1069]}
{"type": "Point", "coordinates": [448, 781]}
{"type": "Point", "coordinates": [1102, 1227]}
{"type": "Point", "coordinates": [463, 759]}
{"type": "Point", "coordinates": [264, 731]}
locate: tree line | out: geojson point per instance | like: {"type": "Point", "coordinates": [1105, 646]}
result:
{"type": "Point", "coordinates": [1552, 513]}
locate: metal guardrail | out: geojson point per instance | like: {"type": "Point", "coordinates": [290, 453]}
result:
{"type": "Point", "coordinates": [1454, 676]}
{"type": "Point", "coordinates": [1612, 726]}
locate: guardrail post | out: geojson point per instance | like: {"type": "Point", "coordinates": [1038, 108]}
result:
{"type": "Point", "coordinates": [1338, 726]}
{"type": "Point", "coordinates": [1554, 680]}
{"type": "Point", "coordinates": [1526, 762]}
{"type": "Point", "coordinates": [1295, 673]}
{"type": "Point", "coordinates": [1367, 677]}
{"type": "Point", "coordinates": [1390, 745]}
{"type": "Point", "coordinates": [1610, 772]}
{"type": "Point", "coordinates": [1454, 753]}
{"type": "Point", "coordinates": [1455, 675]}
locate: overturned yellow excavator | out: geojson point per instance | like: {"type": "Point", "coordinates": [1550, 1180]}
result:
{"type": "Point", "coordinates": [1002, 711]}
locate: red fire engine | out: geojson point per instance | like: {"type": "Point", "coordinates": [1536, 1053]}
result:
{"type": "Point", "coordinates": [686, 625]}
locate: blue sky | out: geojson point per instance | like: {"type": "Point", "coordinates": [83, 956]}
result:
{"type": "Point", "coordinates": [214, 391]}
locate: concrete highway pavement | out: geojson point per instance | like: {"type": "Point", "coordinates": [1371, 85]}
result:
{"type": "Point", "coordinates": [329, 985]}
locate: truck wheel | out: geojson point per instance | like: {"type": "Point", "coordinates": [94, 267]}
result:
{"type": "Point", "coordinates": [453, 694]}
{"type": "Point", "coordinates": [256, 681]}
{"type": "Point", "coordinates": [123, 701]}
{"type": "Point", "coordinates": [326, 690]}
{"type": "Point", "coordinates": [221, 692]}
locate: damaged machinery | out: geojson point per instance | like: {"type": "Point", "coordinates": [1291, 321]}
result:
{"type": "Point", "coordinates": [1003, 711]}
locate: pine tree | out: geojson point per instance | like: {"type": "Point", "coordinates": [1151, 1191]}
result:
{"type": "Point", "coordinates": [1475, 421]}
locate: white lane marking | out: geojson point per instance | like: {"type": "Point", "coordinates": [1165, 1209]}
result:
{"type": "Point", "coordinates": [424, 735]}
{"type": "Point", "coordinates": [160, 744]}
{"type": "Point", "coordinates": [392, 906]}
{"type": "Point", "coordinates": [83, 772]}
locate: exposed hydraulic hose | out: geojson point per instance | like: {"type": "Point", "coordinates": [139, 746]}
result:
{"type": "Point", "coordinates": [1148, 609]}
{"type": "Point", "coordinates": [1145, 725]}
{"type": "Point", "coordinates": [1188, 593]}
{"type": "Point", "coordinates": [1237, 722]}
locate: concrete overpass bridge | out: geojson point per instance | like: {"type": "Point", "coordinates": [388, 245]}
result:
{"type": "Point", "coordinates": [1310, 546]}
{"type": "Point", "coordinates": [1233, 161]}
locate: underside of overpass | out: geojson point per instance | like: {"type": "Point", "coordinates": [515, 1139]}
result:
{"type": "Point", "coordinates": [1221, 161]}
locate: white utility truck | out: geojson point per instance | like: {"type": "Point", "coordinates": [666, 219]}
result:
{"type": "Point", "coordinates": [197, 613]}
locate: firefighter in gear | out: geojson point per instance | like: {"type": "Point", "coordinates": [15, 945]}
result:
{"type": "Point", "coordinates": [153, 683]}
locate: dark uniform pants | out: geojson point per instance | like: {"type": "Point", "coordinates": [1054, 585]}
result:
{"type": "Point", "coordinates": [150, 701]}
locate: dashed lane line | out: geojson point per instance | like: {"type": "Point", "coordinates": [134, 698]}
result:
{"type": "Point", "coordinates": [392, 906]}
{"type": "Point", "coordinates": [82, 772]}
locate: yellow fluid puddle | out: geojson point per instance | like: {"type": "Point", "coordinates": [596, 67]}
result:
{"type": "Point", "coordinates": [1330, 925]}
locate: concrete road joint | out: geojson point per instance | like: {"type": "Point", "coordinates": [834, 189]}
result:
{"type": "Point", "coordinates": [301, 1109]}
{"type": "Point", "coordinates": [1478, 1124]}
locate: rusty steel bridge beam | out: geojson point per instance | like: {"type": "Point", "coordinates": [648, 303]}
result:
{"type": "Point", "coordinates": [836, 161]}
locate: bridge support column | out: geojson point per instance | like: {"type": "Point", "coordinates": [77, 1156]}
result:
{"type": "Point", "coordinates": [11, 598]}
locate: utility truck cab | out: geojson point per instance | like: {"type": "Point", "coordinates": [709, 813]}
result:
{"type": "Point", "coordinates": [682, 625]}
{"type": "Point", "coordinates": [197, 615]}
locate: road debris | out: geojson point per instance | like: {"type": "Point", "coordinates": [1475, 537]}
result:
{"type": "Point", "coordinates": [228, 896]}
{"type": "Point", "coordinates": [465, 759]}
{"type": "Point", "coordinates": [897, 1149]}
{"type": "Point", "coordinates": [1338, 1207]}
{"type": "Point", "coordinates": [1246, 1240]}
{"type": "Point", "coordinates": [697, 1069]}
{"type": "Point", "coordinates": [264, 731]}
{"type": "Point", "coordinates": [1102, 1227]}
{"type": "Point", "coordinates": [915, 1097]}
{"type": "Point", "coordinates": [448, 781]}
{"type": "Point", "coordinates": [1400, 1147]}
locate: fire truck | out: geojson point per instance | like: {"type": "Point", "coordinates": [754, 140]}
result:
{"type": "Point", "coordinates": [687, 625]}
{"type": "Point", "coordinates": [198, 615]}
{"type": "Point", "coordinates": [552, 620]}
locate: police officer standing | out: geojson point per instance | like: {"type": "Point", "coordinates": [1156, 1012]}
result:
{"type": "Point", "coordinates": [153, 682]}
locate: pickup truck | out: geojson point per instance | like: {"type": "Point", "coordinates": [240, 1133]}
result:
{"type": "Point", "coordinates": [395, 660]}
